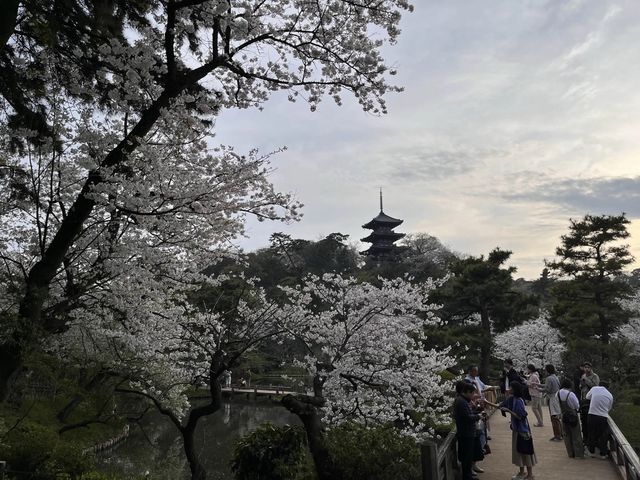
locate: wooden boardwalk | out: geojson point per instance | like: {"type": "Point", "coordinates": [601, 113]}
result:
{"type": "Point", "coordinates": [553, 462]}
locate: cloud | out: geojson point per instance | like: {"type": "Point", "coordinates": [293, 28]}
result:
{"type": "Point", "coordinates": [424, 165]}
{"type": "Point", "coordinates": [600, 195]}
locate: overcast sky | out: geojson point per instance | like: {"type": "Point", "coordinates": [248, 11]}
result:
{"type": "Point", "coordinates": [516, 116]}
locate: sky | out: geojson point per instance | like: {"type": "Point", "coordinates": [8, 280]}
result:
{"type": "Point", "coordinates": [516, 117]}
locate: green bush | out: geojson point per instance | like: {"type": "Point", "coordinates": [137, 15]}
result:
{"type": "Point", "coordinates": [360, 453]}
{"type": "Point", "coordinates": [37, 449]}
{"type": "Point", "coordinates": [271, 453]}
{"type": "Point", "coordinates": [374, 453]}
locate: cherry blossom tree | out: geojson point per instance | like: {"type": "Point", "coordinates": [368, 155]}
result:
{"type": "Point", "coordinates": [365, 352]}
{"type": "Point", "coordinates": [109, 113]}
{"type": "Point", "coordinates": [534, 341]}
{"type": "Point", "coordinates": [630, 331]}
{"type": "Point", "coordinates": [165, 348]}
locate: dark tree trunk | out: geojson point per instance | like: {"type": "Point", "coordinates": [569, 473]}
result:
{"type": "Point", "coordinates": [305, 409]}
{"type": "Point", "coordinates": [188, 440]}
{"type": "Point", "coordinates": [216, 369]}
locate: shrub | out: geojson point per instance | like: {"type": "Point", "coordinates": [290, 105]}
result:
{"type": "Point", "coordinates": [360, 453]}
{"type": "Point", "coordinates": [271, 453]}
{"type": "Point", "coordinates": [39, 450]}
{"type": "Point", "coordinates": [373, 453]}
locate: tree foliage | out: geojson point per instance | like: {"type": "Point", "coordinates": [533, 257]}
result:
{"type": "Point", "coordinates": [108, 106]}
{"type": "Point", "coordinates": [533, 342]}
{"type": "Point", "coordinates": [163, 352]}
{"type": "Point", "coordinates": [366, 351]}
{"type": "Point", "coordinates": [480, 296]}
{"type": "Point", "coordinates": [590, 263]}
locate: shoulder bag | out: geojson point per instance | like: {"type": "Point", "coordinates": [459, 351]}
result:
{"type": "Point", "coordinates": [524, 441]}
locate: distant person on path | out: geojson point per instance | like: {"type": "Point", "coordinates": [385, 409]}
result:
{"type": "Point", "coordinates": [519, 426]}
{"type": "Point", "coordinates": [509, 375]}
{"type": "Point", "coordinates": [585, 383]}
{"type": "Point", "coordinates": [569, 406]}
{"type": "Point", "coordinates": [466, 421]}
{"type": "Point", "coordinates": [588, 380]}
{"type": "Point", "coordinates": [550, 389]}
{"type": "Point", "coordinates": [598, 425]}
{"type": "Point", "coordinates": [536, 395]}
{"type": "Point", "coordinates": [474, 378]}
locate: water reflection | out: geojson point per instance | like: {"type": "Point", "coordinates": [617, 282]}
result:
{"type": "Point", "coordinates": [157, 449]}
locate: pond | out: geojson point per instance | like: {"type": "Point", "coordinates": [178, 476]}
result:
{"type": "Point", "coordinates": [156, 447]}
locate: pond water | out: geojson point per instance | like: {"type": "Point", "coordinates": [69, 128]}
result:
{"type": "Point", "coordinates": [156, 447]}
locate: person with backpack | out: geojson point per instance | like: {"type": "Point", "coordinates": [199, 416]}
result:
{"type": "Point", "coordinates": [569, 406]}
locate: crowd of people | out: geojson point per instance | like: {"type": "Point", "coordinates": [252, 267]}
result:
{"type": "Point", "coordinates": [578, 410]}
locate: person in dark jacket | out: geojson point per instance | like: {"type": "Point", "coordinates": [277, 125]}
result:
{"type": "Point", "coordinates": [466, 421]}
{"type": "Point", "coordinates": [509, 375]}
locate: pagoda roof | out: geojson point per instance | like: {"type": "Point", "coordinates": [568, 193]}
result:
{"type": "Point", "coordinates": [382, 220]}
{"type": "Point", "coordinates": [372, 237]}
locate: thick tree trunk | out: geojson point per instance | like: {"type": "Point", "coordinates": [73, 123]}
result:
{"type": "Point", "coordinates": [188, 431]}
{"type": "Point", "coordinates": [308, 414]}
{"type": "Point", "coordinates": [188, 440]}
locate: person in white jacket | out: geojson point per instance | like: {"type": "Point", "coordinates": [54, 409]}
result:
{"type": "Point", "coordinates": [597, 421]}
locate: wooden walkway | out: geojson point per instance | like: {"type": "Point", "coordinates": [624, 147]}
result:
{"type": "Point", "coordinates": [553, 462]}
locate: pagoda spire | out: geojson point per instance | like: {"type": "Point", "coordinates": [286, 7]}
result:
{"type": "Point", "coordinates": [382, 238]}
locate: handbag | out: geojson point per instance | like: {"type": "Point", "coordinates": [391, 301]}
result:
{"type": "Point", "coordinates": [524, 443]}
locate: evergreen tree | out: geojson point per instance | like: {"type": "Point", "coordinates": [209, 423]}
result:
{"type": "Point", "coordinates": [590, 263]}
{"type": "Point", "coordinates": [481, 295]}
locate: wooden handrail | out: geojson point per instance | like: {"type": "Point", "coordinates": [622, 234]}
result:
{"type": "Point", "coordinates": [446, 445]}
{"type": "Point", "coordinates": [624, 456]}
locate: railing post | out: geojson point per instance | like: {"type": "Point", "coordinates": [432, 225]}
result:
{"type": "Point", "coordinates": [429, 460]}
{"type": "Point", "coordinates": [3, 467]}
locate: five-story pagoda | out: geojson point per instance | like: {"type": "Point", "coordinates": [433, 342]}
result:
{"type": "Point", "coordinates": [382, 237]}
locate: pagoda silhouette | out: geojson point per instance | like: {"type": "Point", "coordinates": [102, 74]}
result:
{"type": "Point", "coordinates": [382, 238]}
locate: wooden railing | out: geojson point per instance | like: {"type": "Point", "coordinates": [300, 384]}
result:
{"type": "Point", "coordinates": [440, 461]}
{"type": "Point", "coordinates": [623, 455]}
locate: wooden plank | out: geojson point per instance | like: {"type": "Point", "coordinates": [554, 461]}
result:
{"type": "Point", "coordinates": [553, 462]}
{"type": "Point", "coordinates": [429, 460]}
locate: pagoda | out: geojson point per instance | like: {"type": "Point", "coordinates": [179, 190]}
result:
{"type": "Point", "coordinates": [382, 237]}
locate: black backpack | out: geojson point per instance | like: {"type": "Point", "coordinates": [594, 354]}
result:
{"type": "Point", "coordinates": [569, 416]}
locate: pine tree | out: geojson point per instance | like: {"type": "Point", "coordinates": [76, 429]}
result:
{"type": "Point", "coordinates": [590, 263]}
{"type": "Point", "coordinates": [483, 288]}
